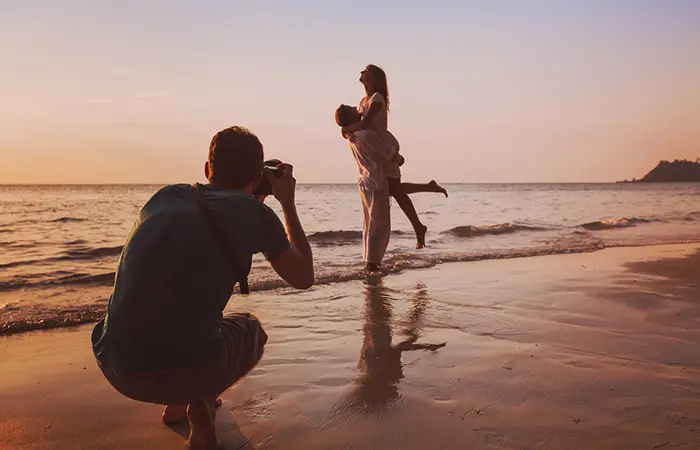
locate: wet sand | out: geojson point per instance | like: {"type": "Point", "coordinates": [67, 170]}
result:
{"type": "Point", "coordinates": [586, 351]}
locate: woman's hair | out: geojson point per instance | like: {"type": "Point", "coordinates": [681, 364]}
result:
{"type": "Point", "coordinates": [380, 83]}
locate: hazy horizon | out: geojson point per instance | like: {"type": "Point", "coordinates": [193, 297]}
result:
{"type": "Point", "coordinates": [354, 183]}
{"type": "Point", "coordinates": [498, 92]}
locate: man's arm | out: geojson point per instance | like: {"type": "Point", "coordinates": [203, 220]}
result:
{"type": "Point", "coordinates": [349, 129]}
{"type": "Point", "coordinates": [365, 122]}
{"type": "Point", "coordinates": [376, 148]}
{"type": "Point", "coordinates": [296, 264]}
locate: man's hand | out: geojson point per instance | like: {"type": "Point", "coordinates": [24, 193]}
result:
{"type": "Point", "coordinates": [284, 187]}
{"type": "Point", "coordinates": [398, 159]}
{"type": "Point", "coordinates": [347, 135]}
{"type": "Point", "coordinates": [296, 265]}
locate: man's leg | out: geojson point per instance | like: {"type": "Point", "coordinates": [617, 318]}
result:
{"type": "Point", "coordinates": [379, 225]}
{"type": "Point", "coordinates": [244, 341]}
{"type": "Point", "coordinates": [200, 414]}
{"type": "Point", "coordinates": [198, 387]}
{"type": "Point", "coordinates": [366, 198]}
{"type": "Point", "coordinates": [175, 414]}
{"type": "Point", "coordinates": [382, 217]}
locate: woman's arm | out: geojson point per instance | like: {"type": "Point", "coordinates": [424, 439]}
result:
{"type": "Point", "coordinates": [374, 109]}
{"type": "Point", "coordinates": [366, 122]}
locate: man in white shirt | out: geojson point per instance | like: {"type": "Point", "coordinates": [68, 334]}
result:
{"type": "Point", "coordinates": [371, 153]}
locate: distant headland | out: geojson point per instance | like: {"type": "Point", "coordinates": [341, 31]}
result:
{"type": "Point", "coordinates": [678, 171]}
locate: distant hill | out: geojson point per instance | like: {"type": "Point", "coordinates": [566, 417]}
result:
{"type": "Point", "coordinates": [678, 171]}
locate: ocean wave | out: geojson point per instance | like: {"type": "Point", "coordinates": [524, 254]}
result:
{"type": "Point", "coordinates": [335, 236]}
{"type": "Point", "coordinates": [57, 317]}
{"type": "Point", "coordinates": [67, 219]}
{"type": "Point", "coordinates": [55, 279]}
{"type": "Point", "coordinates": [93, 253]}
{"type": "Point", "coordinates": [76, 242]}
{"type": "Point", "coordinates": [106, 278]}
{"type": "Point", "coordinates": [467, 231]}
{"type": "Point", "coordinates": [609, 224]}
{"type": "Point", "coordinates": [81, 254]}
{"type": "Point", "coordinates": [26, 262]}
{"type": "Point", "coordinates": [691, 217]}
{"type": "Point", "coordinates": [396, 263]}
{"type": "Point", "coordinates": [8, 225]}
{"type": "Point", "coordinates": [54, 318]}
{"type": "Point", "coordinates": [342, 237]}
{"type": "Point", "coordinates": [20, 245]}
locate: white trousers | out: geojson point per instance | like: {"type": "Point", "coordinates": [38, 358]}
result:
{"type": "Point", "coordinates": [376, 224]}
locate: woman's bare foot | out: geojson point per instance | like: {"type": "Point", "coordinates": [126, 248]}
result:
{"type": "Point", "coordinates": [420, 236]}
{"type": "Point", "coordinates": [202, 428]}
{"type": "Point", "coordinates": [175, 414]}
{"type": "Point", "coordinates": [437, 188]}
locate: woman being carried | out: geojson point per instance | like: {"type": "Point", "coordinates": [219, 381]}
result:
{"type": "Point", "coordinates": [374, 109]}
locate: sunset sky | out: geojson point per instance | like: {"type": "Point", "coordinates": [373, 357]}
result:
{"type": "Point", "coordinates": [482, 91]}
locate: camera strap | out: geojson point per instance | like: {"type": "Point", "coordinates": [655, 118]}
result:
{"type": "Point", "coordinates": [215, 228]}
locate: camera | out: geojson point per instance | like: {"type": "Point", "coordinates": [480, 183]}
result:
{"type": "Point", "coordinates": [265, 188]}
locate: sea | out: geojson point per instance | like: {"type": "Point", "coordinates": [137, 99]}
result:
{"type": "Point", "coordinates": [59, 244]}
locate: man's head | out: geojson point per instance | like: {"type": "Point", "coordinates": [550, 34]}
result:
{"type": "Point", "coordinates": [235, 159]}
{"type": "Point", "coordinates": [346, 115]}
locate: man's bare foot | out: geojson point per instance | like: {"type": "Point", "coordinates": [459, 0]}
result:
{"type": "Point", "coordinates": [175, 414]}
{"type": "Point", "coordinates": [195, 445]}
{"type": "Point", "coordinates": [372, 267]}
{"type": "Point", "coordinates": [437, 188]}
{"type": "Point", "coordinates": [420, 236]}
{"type": "Point", "coordinates": [202, 428]}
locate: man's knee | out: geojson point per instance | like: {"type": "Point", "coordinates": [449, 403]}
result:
{"type": "Point", "coordinates": [255, 325]}
{"type": "Point", "coordinates": [249, 329]}
{"type": "Point", "coordinates": [257, 329]}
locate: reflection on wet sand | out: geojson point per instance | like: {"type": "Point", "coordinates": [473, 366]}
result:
{"type": "Point", "coordinates": [380, 362]}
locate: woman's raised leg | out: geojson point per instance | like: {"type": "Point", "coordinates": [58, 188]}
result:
{"type": "Point", "coordinates": [406, 205]}
{"type": "Point", "coordinates": [414, 188]}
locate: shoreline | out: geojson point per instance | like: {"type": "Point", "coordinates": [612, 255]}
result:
{"type": "Point", "coordinates": [574, 351]}
{"type": "Point", "coordinates": [92, 310]}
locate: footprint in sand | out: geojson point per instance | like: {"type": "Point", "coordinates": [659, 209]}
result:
{"type": "Point", "coordinates": [684, 421]}
{"type": "Point", "coordinates": [258, 406]}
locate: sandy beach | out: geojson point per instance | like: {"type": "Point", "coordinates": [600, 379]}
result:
{"type": "Point", "coordinates": [582, 351]}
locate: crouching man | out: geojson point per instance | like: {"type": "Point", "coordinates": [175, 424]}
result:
{"type": "Point", "coordinates": [164, 338]}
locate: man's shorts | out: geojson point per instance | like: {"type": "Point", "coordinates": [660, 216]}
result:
{"type": "Point", "coordinates": [243, 344]}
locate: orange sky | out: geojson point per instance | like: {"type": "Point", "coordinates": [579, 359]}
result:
{"type": "Point", "coordinates": [551, 91]}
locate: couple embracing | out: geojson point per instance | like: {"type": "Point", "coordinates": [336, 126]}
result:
{"type": "Point", "coordinates": [376, 152]}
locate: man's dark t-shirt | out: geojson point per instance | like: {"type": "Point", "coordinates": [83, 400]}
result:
{"type": "Point", "coordinates": [174, 280]}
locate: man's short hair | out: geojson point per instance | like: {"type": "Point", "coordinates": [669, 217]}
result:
{"type": "Point", "coordinates": [235, 157]}
{"type": "Point", "coordinates": [346, 115]}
